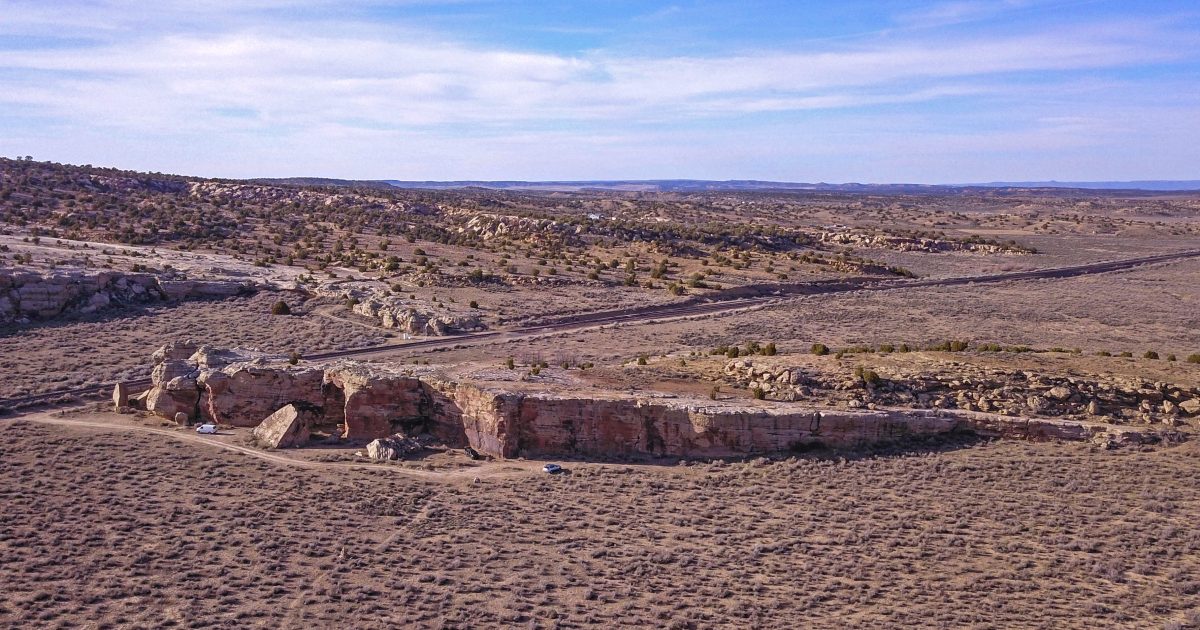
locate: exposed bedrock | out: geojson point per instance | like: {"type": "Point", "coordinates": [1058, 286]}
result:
{"type": "Point", "coordinates": [244, 394]}
{"type": "Point", "coordinates": [509, 418]}
{"type": "Point", "coordinates": [26, 296]}
{"type": "Point", "coordinates": [376, 403]}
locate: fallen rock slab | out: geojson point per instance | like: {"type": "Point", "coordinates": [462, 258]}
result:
{"type": "Point", "coordinates": [290, 426]}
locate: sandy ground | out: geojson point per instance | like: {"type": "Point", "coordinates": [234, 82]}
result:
{"type": "Point", "coordinates": [109, 527]}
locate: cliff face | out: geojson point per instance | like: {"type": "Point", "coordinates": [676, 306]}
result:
{"type": "Point", "coordinates": [507, 419]}
{"type": "Point", "coordinates": [375, 404]}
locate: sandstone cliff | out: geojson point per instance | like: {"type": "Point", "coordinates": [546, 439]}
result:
{"type": "Point", "coordinates": [510, 418]}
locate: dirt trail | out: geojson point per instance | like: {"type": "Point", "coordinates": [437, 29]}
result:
{"type": "Point", "coordinates": [485, 470]}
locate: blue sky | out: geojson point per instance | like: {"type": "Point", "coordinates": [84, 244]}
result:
{"type": "Point", "coordinates": [888, 91]}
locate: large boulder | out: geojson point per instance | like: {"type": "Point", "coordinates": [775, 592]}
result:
{"type": "Point", "coordinates": [174, 351]}
{"type": "Point", "coordinates": [179, 395]}
{"type": "Point", "coordinates": [394, 447]}
{"type": "Point", "coordinates": [170, 369]}
{"type": "Point", "coordinates": [290, 426]}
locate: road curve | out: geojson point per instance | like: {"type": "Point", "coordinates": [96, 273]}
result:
{"type": "Point", "coordinates": [723, 302]}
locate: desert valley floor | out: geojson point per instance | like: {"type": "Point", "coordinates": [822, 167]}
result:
{"type": "Point", "coordinates": [781, 425]}
{"type": "Point", "coordinates": [112, 528]}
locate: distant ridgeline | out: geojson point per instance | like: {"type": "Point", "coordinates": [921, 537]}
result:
{"type": "Point", "coordinates": [699, 185]}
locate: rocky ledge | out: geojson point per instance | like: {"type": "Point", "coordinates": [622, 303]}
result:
{"type": "Point", "coordinates": [503, 414]}
{"type": "Point", "coordinates": [972, 388]}
{"type": "Point", "coordinates": [405, 314]}
{"type": "Point", "coordinates": [29, 296]}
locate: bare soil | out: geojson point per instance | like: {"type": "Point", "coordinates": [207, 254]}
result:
{"type": "Point", "coordinates": [111, 528]}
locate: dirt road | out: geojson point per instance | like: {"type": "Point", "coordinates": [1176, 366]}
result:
{"type": "Point", "coordinates": [725, 302]}
{"type": "Point", "coordinates": [224, 441]}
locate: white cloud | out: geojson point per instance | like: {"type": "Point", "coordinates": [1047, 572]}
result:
{"type": "Point", "coordinates": [306, 79]}
{"type": "Point", "coordinates": [356, 100]}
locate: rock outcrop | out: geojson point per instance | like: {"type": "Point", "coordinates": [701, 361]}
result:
{"type": "Point", "coordinates": [29, 296]}
{"type": "Point", "coordinates": [976, 389]}
{"type": "Point", "coordinates": [288, 427]}
{"type": "Point", "coordinates": [416, 318]}
{"type": "Point", "coordinates": [242, 394]}
{"type": "Point", "coordinates": [918, 243]}
{"type": "Point", "coordinates": [403, 313]}
{"type": "Point", "coordinates": [376, 402]}
{"type": "Point", "coordinates": [507, 418]}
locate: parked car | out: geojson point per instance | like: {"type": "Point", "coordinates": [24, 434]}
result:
{"type": "Point", "coordinates": [206, 428]}
{"type": "Point", "coordinates": [552, 469]}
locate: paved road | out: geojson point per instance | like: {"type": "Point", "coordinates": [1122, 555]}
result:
{"type": "Point", "coordinates": [724, 302]}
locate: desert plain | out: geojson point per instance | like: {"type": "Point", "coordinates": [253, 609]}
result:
{"type": "Point", "coordinates": [774, 408]}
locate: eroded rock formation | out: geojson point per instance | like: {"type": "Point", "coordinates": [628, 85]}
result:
{"type": "Point", "coordinates": [29, 296]}
{"type": "Point", "coordinates": [509, 418]}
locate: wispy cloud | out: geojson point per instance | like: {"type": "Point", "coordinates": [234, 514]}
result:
{"type": "Point", "coordinates": [219, 71]}
{"type": "Point", "coordinates": [960, 11]}
{"type": "Point", "coordinates": [303, 79]}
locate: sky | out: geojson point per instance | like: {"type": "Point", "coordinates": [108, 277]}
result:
{"type": "Point", "coordinates": [851, 91]}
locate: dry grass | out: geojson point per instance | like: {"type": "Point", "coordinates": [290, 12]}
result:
{"type": "Point", "coordinates": [115, 346]}
{"type": "Point", "coordinates": [111, 529]}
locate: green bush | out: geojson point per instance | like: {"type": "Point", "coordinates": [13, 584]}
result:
{"type": "Point", "coordinates": [820, 349]}
{"type": "Point", "coordinates": [1150, 354]}
{"type": "Point", "coordinates": [868, 376]}
{"type": "Point", "coordinates": [281, 308]}
{"type": "Point", "coordinates": [1193, 358]}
